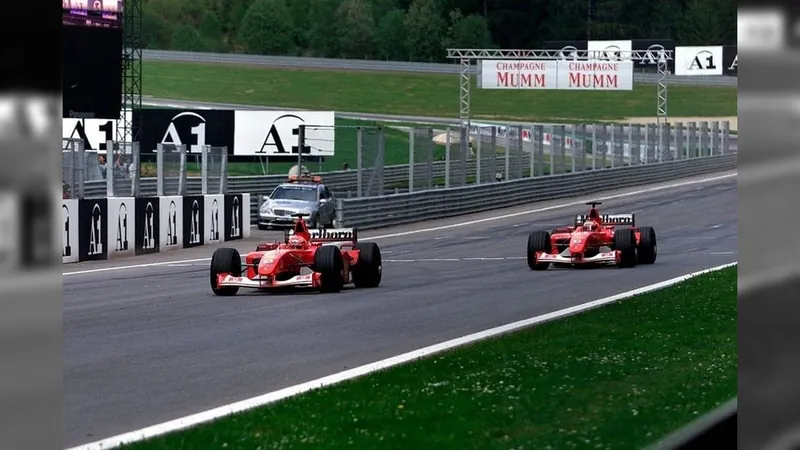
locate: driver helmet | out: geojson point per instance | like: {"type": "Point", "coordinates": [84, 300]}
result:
{"type": "Point", "coordinates": [589, 225]}
{"type": "Point", "coordinates": [296, 242]}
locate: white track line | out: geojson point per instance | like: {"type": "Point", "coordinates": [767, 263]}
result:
{"type": "Point", "coordinates": [271, 397]}
{"type": "Point", "coordinates": [447, 227]}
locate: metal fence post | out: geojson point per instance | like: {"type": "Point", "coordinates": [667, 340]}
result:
{"type": "Point", "coordinates": [594, 146]}
{"type": "Point", "coordinates": [182, 170]}
{"type": "Point", "coordinates": [223, 169]}
{"type": "Point", "coordinates": [726, 136]}
{"type": "Point", "coordinates": [478, 168]}
{"type": "Point", "coordinates": [359, 162]}
{"type": "Point", "coordinates": [447, 159]}
{"type": "Point", "coordinates": [137, 172]}
{"type": "Point", "coordinates": [411, 134]}
{"type": "Point", "coordinates": [110, 167]}
{"type": "Point", "coordinates": [715, 137]}
{"type": "Point", "coordinates": [160, 170]}
{"type": "Point", "coordinates": [204, 153]}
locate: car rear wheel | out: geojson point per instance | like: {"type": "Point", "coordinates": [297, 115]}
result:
{"type": "Point", "coordinates": [329, 263]}
{"type": "Point", "coordinates": [647, 248]}
{"type": "Point", "coordinates": [625, 242]}
{"type": "Point", "coordinates": [225, 261]}
{"type": "Point", "coordinates": [368, 271]}
{"type": "Point", "coordinates": [538, 241]}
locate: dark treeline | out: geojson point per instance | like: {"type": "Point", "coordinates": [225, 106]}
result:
{"type": "Point", "coordinates": [420, 30]}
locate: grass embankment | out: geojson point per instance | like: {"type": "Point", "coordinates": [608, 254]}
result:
{"type": "Point", "coordinates": [417, 94]}
{"type": "Point", "coordinates": [621, 376]}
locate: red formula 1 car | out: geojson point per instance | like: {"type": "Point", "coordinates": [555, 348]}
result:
{"type": "Point", "coordinates": [609, 239]}
{"type": "Point", "coordinates": [325, 259]}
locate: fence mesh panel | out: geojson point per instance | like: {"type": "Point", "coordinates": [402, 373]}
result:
{"type": "Point", "coordinates": [486, 153]}
{"type": "Point", "coordinates": [214, 167]}
{"type": "Point", "coordinates": [121, 167]}
{"type": "Point", "coordinates": [372, 161]}
{"type": "Point", "coordinates": [421, 159]}
{"type": "Point", "coordinates": [171, 168]}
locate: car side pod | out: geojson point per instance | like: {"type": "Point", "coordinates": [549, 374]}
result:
{"type": "Point", "coordinates": [538, 241]}
{"type": "Point", "coordinates": [225, 261]}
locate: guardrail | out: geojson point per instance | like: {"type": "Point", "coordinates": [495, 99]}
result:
{"type": "Point", "coordinates": [399, 209]}
{"type": "Point", "coordinates": [296, 62]}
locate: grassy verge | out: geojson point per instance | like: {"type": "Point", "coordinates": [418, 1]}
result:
{"type": "Point", "coordinates": [416, 94]}
{"type": "Point", "coordinates": [621, 376]}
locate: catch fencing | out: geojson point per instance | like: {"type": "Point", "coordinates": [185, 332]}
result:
{"type": "Point", "coordinates": [494, 153]}
{"type": "Point", "coordinates": [391, 210]}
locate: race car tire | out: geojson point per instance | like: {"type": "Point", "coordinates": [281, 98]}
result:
{"type": "Point", "coordinates": [625, 242]}
{"type": "Point", "coordinates": [538, 241]}
{"type": "Point", "coordinates": [225, 260]}
{"type": "Point", "coordinates": [329, 263]}
{"type": "Point", "coordinates": [647, 249]}
{"type": "Point", "coordinates": [368, 271]}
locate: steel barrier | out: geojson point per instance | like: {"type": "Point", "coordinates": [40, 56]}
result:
{"type": "Point", "coordinates": [398, 209]}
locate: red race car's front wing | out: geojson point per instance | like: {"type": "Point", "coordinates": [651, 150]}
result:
{"type": "Point", "coordinates": [611, 257]}
{"type": "Point", "coordinates": [266, 282]}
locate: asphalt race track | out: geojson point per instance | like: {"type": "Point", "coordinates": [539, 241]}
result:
{"type": "Point", "coordinates": [149, 344]}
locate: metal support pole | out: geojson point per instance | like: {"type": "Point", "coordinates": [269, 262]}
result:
{"type": "Point", "coordinates": [613, 145]}
{"type": "Point", "coordinates": [110, 166]}
{"type": "Point", "coordinates": [360, 162]}
{"type": "Point", "coordinates": [411, 134]}
{"type": "Point", "coordinates": [160, 170]}
{"type": "Point", "coordinates": [464, 98]}
{"type": "Point", "coordinates": [301, 141]}
{"type": "Point", "coordinates": [204, 152]}
{"type": "Point", "coordinates": [574, 146]}
{"type": "Point", "coordinates": [631, 160]}
{"type": "Point", "coordinates": [662, 115]}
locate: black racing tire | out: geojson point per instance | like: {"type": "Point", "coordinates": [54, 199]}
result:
{"type": "Point", "coordinates": [368, 270]}
{"type": "Point", "coordinates": [625, 242]}
{"type": "Point", "coordinates": [647, 249]}
{"type": "Point", "coordinates": [225, 260]}
{"type": "Point", "coordinates": [329, 263]}
{"type": "Point", "coordinates": [538, 241]}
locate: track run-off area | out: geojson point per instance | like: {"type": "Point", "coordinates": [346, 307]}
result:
{"type": "Point", "coordinates": [146, 341]}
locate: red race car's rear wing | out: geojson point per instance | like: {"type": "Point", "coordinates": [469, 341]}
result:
{"type": "Point", "coordinates": [609, 219]}
{"type": "Point", "coordinates": [331, 235]}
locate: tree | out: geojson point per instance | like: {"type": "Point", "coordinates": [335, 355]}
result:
{"type": "Point", "coordinates": [212, 32]}
{"type": "Point", "coordinates": [186, 38]}
{"type": "Point", "coordinates": [267, 28]}
{"type": "Point", "coordinates": [391, 38]}
{"type": "Point", "coordinates": [468, 32]}
{"type": "Point", "coordinates": [156, 32]}
{"type": "Point", "coordinates": [425, 27]}
{"type": "Point", "coordinates": [355, 29]}
{"type": "Point", "coordinates": [323, 29]}
{"type": "Point", "coordinates": [701, 24]}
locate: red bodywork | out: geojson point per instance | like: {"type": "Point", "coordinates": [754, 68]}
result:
{"type": "Point", "coordinates": [575, 245]}
{"type": "Point", "coordinates": [280, 264]}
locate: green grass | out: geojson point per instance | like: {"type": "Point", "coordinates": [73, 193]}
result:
{"type": "Point", "coordinates": [621, 376]}
{"type": "Point", "coordinates": [416, 94]}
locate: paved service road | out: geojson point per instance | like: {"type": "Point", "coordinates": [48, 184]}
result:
{"type": "Point", "coordinates": [149, 344]}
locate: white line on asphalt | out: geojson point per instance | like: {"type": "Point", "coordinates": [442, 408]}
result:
{"type": "Point", "coordinates": [447, 227]}
{"type": "Point", "coordinates": [271, 397]}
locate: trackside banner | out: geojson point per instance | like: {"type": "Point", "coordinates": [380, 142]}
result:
{"type": "Point", "coordinates": [557, 75]}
